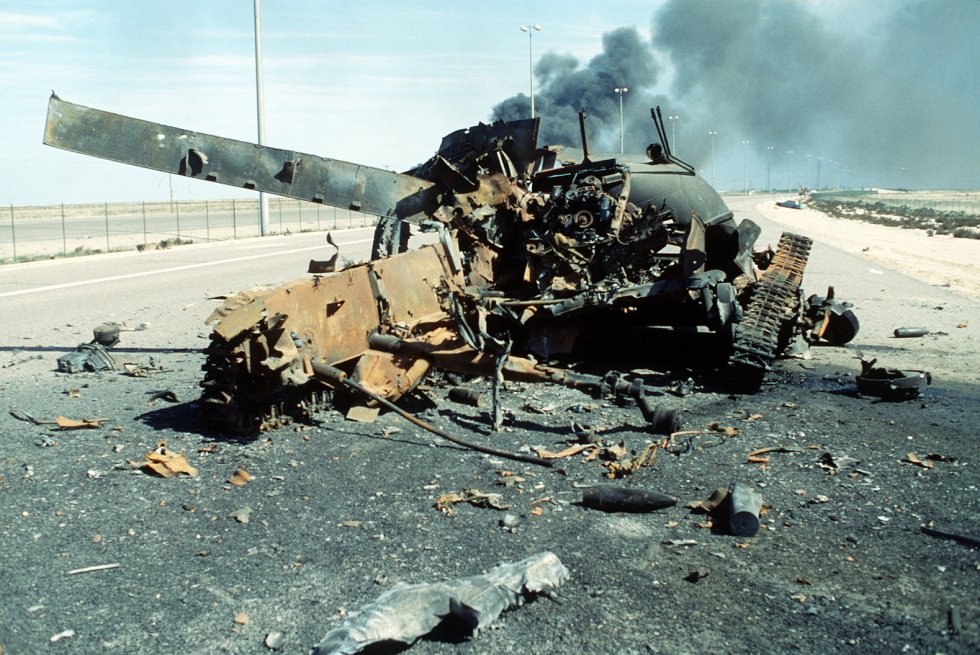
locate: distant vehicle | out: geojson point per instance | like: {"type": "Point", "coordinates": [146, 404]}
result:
{"type": "Point", "coordinates": [790, 204]}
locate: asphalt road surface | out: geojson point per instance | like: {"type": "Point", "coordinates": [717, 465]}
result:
{"type": "Point", "coordinates": [338, 512]}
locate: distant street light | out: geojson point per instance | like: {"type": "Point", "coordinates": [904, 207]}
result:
{"type": "Point", "coordinates": [260, 110]}
{"type": "Point", "coordinates": [713, 134]}
{"type": "Point", "coordinates": [673, 132]}
{"type": "Point", "coordinates": [620, 90]}
{"type": "Point", "coordinates": [530, 29]}
{"type": "Point", "coordinates": [745, 165]}
{"type": "Point", "coordinates": [769, 170]}
{"type": "Point", "coordinates": [789, 178]}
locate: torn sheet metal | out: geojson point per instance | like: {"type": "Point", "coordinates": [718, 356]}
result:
{"type": "Point", "coordinates": [408, 612]}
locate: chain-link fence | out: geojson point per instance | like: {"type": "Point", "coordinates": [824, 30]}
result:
{"type": "Point", "coordinates": [33, 232]}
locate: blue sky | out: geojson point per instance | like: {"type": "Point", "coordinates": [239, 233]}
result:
{"type": "Point", "coordinates": [374, 82]}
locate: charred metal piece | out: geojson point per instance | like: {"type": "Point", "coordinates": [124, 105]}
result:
{"type": "Point", "coordinates": [533, 251]}
{"type": "Point", "coordinates": [610, 498]}
{"type": "Point", "coordinates": [891, 383]}
{"type": "Point", "coordinates": [910, 332]}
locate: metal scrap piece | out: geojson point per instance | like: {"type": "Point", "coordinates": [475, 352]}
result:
{"type": "Point", "coordinates": [407, 612]}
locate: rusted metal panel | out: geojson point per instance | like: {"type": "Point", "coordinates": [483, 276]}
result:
{"type": "Point", "coordinates": [331, 316]}
{"type": "Point", "coordinates": [409, 283]}
{"type": "Point", "coordinates": [235, 163]}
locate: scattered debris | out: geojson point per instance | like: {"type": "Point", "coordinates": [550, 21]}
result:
{"type": "Point", "coordinates": [408, 612]}
{"type": "Point", "coordinates": [755, 457]}
{"type": "Point", "coordinates": [789, 204]}
{"type": "Point", "coordinates": [239, 477]}
{"type": "Point", "coordinates": [889, 383]}
{"type": "Point", "coordinates": [611, 498]}
{"type": "Point", "coordinates": [163, 394]}
{"type": "Point", "coordinates": [94, 355]}
{"type": "Point", "coordinates": [745, 505]}
{"type": "Point", "coordinates": [274, 640]}
{"type": "Point", "coordinates": [90, 569]}
{"type": "Point", "coordinates": [910, 332]}
{"type": "Point", "coordinates": [66, 423]}
{"type": "Point", "coordinates": [464, 396]}
{"type": "Point", "coordinates": [362, 414]}
{"type": "Point", "coordinates": [475, 497]}
{"type": "Point", "coordinates": [959, 538]}
{"type": "Point", "coordinates": [64, 634]}
{"type": "Point", "coordinates": [165, 463]}
{"type": "Point", "coordinates": [242, 515]}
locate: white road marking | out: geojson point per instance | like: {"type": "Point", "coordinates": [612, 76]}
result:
{"type": "Point", "coordinates": [172, 269]}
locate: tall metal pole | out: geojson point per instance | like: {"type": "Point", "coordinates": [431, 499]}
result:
{"type": "Point", "coordinates": [712, 134]}
{"type": "Point", "coordinates": [530, 29]}
{"type": "Point", "coordinates": [789, 178]}
{"type": "Point", "coordinates": [769, 172]}
{"type": "Point", "coordinates": [620, 90]}
{"type": "Point", "coordinates": [260, 107]}
{"type": "Point", "coordinates": [745, 165]}
{"type": "Point", "coordinates": [673, 132]}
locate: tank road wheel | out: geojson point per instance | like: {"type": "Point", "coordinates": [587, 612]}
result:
{"type": "Point", "coordinates": [390, 237]}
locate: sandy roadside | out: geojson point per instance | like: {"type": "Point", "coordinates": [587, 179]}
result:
{"type": "Point", "coordinates": [940, 260]}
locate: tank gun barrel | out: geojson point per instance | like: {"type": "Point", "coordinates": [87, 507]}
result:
{"type": "Point", "coordinates": [236, 163]}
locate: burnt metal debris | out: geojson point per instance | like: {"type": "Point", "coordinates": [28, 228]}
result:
{"type": "Point", "coordinates": [94, 355]}
{"type": "Point", "coordinates": [891, 383]}
{"type": "Point", "coordinates": [537, 246]}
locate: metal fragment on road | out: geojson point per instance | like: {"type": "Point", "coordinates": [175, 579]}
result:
{"type": "Point", "coordinates": [410, 611]}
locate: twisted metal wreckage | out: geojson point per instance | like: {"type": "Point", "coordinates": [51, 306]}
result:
{"type": "Point", "coordinates": [533, 249]}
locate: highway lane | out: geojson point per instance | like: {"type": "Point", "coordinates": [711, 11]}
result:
{"type": "Point", "coordinates": [54, 304]}
{"type": "Point", "coordinates": [57, 302]}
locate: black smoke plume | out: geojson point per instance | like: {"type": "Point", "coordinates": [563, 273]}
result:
{"type": "Point", "coordinates": [892, 103]}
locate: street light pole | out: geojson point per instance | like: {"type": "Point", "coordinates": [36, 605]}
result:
{"type": "Point", "coordinates": [745, 165]}
{"type": "Point", "coordinates": [530, 29]}
{"type": "Point", "coordinates": [673, 132]}
{"type": "Point", "coordinates": [260, 110]}
{"type": "Point", "coordinates": [712, 134]}
{"type": "Point", "coordinates": [769, 170]}
{"type": "Point", "coordinates": [620, 90]}
{"type": "Point", "coordinates": [789, 179]}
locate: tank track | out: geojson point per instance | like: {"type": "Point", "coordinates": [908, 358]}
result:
{"type": "Point", "coordinates": [235, 402]}
{"type": "Point", "coordinates": [773, 302]}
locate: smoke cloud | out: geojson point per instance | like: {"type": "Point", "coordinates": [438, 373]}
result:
{"type": "Point", "coordinates": [891, 104]}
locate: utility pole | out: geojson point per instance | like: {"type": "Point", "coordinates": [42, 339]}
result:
{"type": "Point", "coordinates": [260, 107]}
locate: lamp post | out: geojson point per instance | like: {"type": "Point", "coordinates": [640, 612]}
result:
{"type": "Point", "coordinates": [620, 90]}
{"type": "Point", "coordinates": [769, 170]}
{"type": "Point", "coordinates": [260, 110]}
{"type": "Point", "coordinates": [745, 165]}
{"type": "Point", "coordinates": [789, 178]}
{"type": "Point", "coordinates": [530, 29]}
{"type": "Point", "coordinates": [673, 132]}
{"type": "Point", "coordinates": [713, 134]}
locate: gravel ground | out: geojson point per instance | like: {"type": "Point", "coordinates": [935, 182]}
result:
{"type": "Point", "coordinates": [337, 512]}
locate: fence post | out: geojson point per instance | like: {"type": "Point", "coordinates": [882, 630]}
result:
{"type": "Point", "coordinates": [144, 223]}
{"type": "Point", "coordinates": [13, 232]}
{"type": "Point", "coordinates": [64, 238]}
{"type": "Point", "coordinates": [318, 217]}
{"type": "Point", "coordinates": [177, 207]}
{"type": "Point", "coordinates": [207, 221]}
{"type": "Point", "coordinates": [106, 211]}
{"type": "Point", "coordinates": [234, 220]}
{"type": "Point", "coordinates": [350, 219]}
{"type": "Point", "coordinates": [280, 216]}
{"type": "Point", "coordinates": [335, 218]}
{"type": "Point", "coordinates": [299, 207]}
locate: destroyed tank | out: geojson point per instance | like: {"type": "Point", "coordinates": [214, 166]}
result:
{"type": "Point", "coordinates": [536, 245]}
